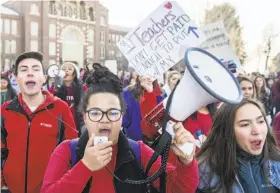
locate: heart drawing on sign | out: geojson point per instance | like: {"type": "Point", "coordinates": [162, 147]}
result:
{"type": "Point", "coordinates": [168, 5]}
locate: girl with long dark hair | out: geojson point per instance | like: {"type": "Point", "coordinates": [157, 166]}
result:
{"type": "Point", "coordinates": [7, 91]}
{"type": "Point", "coordinates": [240, 153]}
{"type": "Point", "coordinates": [72, 91]}
{"type": "Point", "coordinates": [262, 92]}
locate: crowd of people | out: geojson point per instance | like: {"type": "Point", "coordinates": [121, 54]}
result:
{"type": "Point", "coordinates": [47, 133]}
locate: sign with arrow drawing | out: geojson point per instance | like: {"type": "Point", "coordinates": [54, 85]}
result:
{"type": "Point", "coordinates": [153, 46]}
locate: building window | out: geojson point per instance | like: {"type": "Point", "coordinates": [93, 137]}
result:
{"type": "Point", "coordinates": [102, 36]}
{"type": "Point", "coordinates": [52, 30]}
{"type": "Point", "coordinates": [34, 45]}
{"type": "Point", "coordinates": [90, 35]}
{"type": "Point", "coordinates": [112, 53]}
{"type": "Point", "coordinates": [13, 47]}
{"type": "Point", "coordinates": [113, 38]}
{"type": "Point", "coordinates": [117, 38]}
{"type": "Point", "coordinates": [7, 26]}
{"type": "Point", "coordinates": [90, 52]}
{"type": "Point", "coordinates": [1, 25]}
{"type": "Point", "coordinates": [52, 49]}
{"type": "Point", "coordinates": [7, 65]}
{"type": "Point", "coordinates": [109, 38]}
{"type": "Point", "coordinates": [52, 62]}
{"type": "Point", "coordinates": [118, 54]}
{"type": "Point", "coordinates": [102, 52]}
{"type": "Point", "coordinates": [102, 21]}
{"type": "Point", "coordinates": [34, 28]}
{"type": "Point", "coordinates": [14, 27]}
{"type": "Point", "coordinates": [7, 47]}
{"type": "Point", "coordinates": [34, 9]}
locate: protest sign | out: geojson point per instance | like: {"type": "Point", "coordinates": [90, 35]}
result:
{"type": "Point", "coordinates": [218, 43]}
{"type": "Point", "coordinates": [112, 66]}
{"type": "Point", "coordinates": [152, 47]}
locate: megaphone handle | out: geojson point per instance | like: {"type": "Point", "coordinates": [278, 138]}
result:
{"type": "Point", "coordinates": [186, 148]}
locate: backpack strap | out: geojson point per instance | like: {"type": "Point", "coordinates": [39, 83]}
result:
{"type": "Point", "coordinates": [136, 148]}
{"type": "Point", "coordinates": [73, 145]}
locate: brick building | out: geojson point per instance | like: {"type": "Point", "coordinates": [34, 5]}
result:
{"type": "Point", "coordinates": [75, 31]}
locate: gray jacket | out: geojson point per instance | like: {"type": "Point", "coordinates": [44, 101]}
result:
{"type": "Point", "coordinates": [206, 183]}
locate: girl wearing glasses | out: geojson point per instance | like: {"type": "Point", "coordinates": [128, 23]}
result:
{"type": "Point", "coordinates": [103, 108]}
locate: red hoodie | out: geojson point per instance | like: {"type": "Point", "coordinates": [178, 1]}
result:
{"type": "Point", "coordinates": [30, 138]}
{"type": "Point", "coordinates": [59, 178]}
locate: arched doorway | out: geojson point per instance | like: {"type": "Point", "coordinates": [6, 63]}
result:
{"type": "Point", "coordinates": [72, 39]}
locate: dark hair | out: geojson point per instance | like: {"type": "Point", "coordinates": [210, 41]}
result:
{"type": "Point", "coordinates": [219, 150]}
{"type": "Point", "coordinates": [11, 93]}
{"type": "Point", "coordinates": [245, 78]}
{"type": "Point", "coordinates": [212, 108]}
{"type": "Point", "coordinates": [87, 72]}
{"type": "Point", "coordinates": [136, 89]}
{"type": "Point", "coordinates": [260, 92]}
{"type": "Point", "coordinates": [77, 87]}
{"type": "Point", "coordinates": [102, 80]}
{"type": "Point", "coordinates": [35, 55]}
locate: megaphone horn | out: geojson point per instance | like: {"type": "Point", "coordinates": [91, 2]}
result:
{"type": "Point", "coordinates": [206, 80]}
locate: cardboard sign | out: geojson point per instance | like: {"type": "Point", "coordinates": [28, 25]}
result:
{"type": "Point", "coordinates": [112, 66]}
{"type": "Point", "coordinates": [218, 43]}
{"type": "Point", "coordinates": [153, 46]}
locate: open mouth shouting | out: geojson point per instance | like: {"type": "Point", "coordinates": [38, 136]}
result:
{"type": "Point", "coordinates": [256, 144]}
{"type": "Point", "coordinates": [30, 84]}
{"type": "Point", "coordinates": [104, 132]}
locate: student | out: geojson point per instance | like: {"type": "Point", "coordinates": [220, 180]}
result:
{"type": "Point", "coordinates": [172, 79]}
{"type": "Point", "coordinates": [72, 91]}
{"type": "Point", "coordinates": [32, 125]}
{"type": "Point", "coordinates": [103, 108]}
{"type": "Point", "coordinates": [7, 91]}
{"type": "Point", "coordinates": [247, 87]}
{"type": "Point", "coordinates": [240, 153]}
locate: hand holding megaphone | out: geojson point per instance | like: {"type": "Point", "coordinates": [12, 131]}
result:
{"type": "Point", "coordinates": [183, 144]}
{"type": "Point", "coordinates": [58, 80]}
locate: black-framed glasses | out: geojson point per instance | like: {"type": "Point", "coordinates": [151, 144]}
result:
{"type": "Point", "coordinates": [96, 115]}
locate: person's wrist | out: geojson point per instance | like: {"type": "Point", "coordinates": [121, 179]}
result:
{"type": "Point", "coordinates": [187, 160]}
{"type": "Point", "coordinates": [86, 164]}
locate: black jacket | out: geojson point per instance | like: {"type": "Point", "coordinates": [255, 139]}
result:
{"type": "Point", "coordinates": [127, 167]}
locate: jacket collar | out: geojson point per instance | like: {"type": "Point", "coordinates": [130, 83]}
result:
{"type": "Point", "coordinates": [17, 103]}
{"type": "Point", "coordinates": [124, 154]}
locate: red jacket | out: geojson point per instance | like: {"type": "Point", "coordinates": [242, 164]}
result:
{"type": "Point", "coordinates": [147, 103]}
{"type": "Point", "coordinates": [30, 138]}
{"type": "Point", "coordinates": [59, 178]}
{"type": "Point", "coordinates": [202, 122]}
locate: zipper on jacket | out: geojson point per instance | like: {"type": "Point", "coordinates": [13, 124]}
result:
{"type": "Point", "coordinates": [238, 182]}
{"type": "Point", "coordinates": [26, 156]}
{"type": "Point", "coordinates": [253, 177]}
{"type": "Point", "coordinates": [27, 148]}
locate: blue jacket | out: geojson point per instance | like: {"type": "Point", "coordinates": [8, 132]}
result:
{"type": "Point", "coordinates": [206, 182]}
{"type": "Point", "coordinates": [132, 117]}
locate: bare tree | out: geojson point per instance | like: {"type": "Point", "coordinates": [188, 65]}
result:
{"type": "Point", "coordinates": [269, 37]}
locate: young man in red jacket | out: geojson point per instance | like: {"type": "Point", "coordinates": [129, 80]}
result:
{"type": "Point", "coordinates": [32, 125]}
